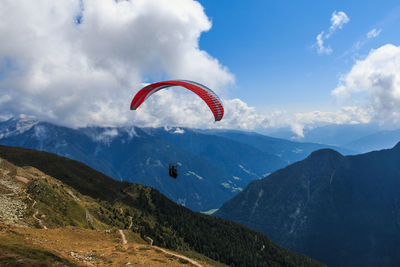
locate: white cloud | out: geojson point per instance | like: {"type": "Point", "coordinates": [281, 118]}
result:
{"type": "Point", "coordinates": [373, 33]}
{"type": "Point", "coordinates": [360, 43]}
{"type": "Point", "coordinates": [245, 117]}
{"type": "Point", "coordinates": [106, 136]}
{"type": "Point", "coordinates": [74, 74]}
{"type": "Point", "coordinates": [320, 45]}
{"type": "Point", "coordinates": [298, 121]}
{"type": "Point", "coordinates": [374, 83]}
{"type": "Point", "coordinates": [345, 115]}
{"type": "Point", "coordinates": [338, 19]}
{"type": "Point", "coordinates": [193, 112]}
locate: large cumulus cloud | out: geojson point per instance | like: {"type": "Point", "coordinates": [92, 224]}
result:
{"type": "Point", "coordinates": [79, 63]}
{"type": "Point", "coordinates": [374, 85]}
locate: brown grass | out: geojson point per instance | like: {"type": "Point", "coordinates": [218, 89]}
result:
{"type": "Point", "coordinates": [99, 248]}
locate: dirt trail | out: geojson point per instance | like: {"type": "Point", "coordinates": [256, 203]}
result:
{"type": "Point", "coordinates": [150, 240]}
{"type": "Point", "coordinates": [22, 179]}
{"type": "Point", "coordinates": [73, 195]}
{"type": "Point", "coordinates": [89, 218]}
{"type": "Point", "coordinates": [195, 263]}
{"type": "Point", "coordinates": [36, 218]}
{"type": "Point", "coordinates": [123, 237]}
{"type": "Point", "coordinates": [130, 222]}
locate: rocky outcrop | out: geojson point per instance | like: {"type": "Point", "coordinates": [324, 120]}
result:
{"type": "Point", "coordinates": [12, 208]}
{"type": "Point", "coordinates": [12, 211]}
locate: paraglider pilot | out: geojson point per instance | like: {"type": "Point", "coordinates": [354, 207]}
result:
{"type": "Point", "coordinates": [173, 172]}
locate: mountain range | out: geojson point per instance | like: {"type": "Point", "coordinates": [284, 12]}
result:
{"type": "Point", "coordinates": [55, 211]}
{"type": "Point", "coordinates": [375, 141]}
{"type": "Point", "coordinates": [341, 210]}
{"type": "Point", "coordinates": [213, 166]}
{"type": "Point", "coordinates": [289, 151]}
{"type": "Point", "coordinates": [355, 137]}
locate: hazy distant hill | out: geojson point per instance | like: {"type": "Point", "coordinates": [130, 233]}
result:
{"type": "Point", "coordinates": [358, 137]}
{"type": "Point", "coordinates": [343, 211]}
{"type": "Point", "coordinates": [49, 191]}
{"type": "Point", "coordinates": [375, 141]}
{"type": "Point", "coordinates": [289, 151]}
{"type": "Point", "coordinates": [332, 134]}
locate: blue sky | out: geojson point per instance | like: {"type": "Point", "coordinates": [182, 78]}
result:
{"type": "Point", "coordinates": [268, 46]}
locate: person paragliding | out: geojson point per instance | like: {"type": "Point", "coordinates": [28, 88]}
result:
{"type": "Point", "coordinates": [205, 93]}
{"type": "Point", "coordinates": [173, 171]}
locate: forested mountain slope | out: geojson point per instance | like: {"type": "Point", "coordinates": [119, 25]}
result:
{"type": "Point", "coordinates": [341, 210]}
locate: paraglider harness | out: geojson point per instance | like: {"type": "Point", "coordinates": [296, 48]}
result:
{"type": "Point", "coordinates": [173, 171]}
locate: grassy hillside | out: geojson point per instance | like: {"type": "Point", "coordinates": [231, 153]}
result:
{"type": "Point", "coordinates": [84, 198]}
{"type": "Point", "coordinates": [44, 222]}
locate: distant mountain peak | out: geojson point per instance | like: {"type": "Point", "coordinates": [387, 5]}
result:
{"type": "Point", "coordinates": [16, 126]}
{"type": "Point", "coordinates": [325, 153]}
{"type": "Point", "coordinates": [174, 130]}
{"type": "Point", "coordinates": [397, 146]}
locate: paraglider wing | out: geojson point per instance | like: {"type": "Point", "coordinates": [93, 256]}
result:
{"type": "Point", "coordinates": [211, 99]}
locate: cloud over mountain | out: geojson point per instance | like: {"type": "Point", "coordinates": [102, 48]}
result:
{"type": "Point", "coordinates": [374, 83]}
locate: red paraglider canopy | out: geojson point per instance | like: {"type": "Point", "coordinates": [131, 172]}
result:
{"type": "Point", "coordinates": [211, 99]}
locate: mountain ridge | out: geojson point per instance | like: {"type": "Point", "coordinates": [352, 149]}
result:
{"type": "Point", "coordinates": [328, 204]}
